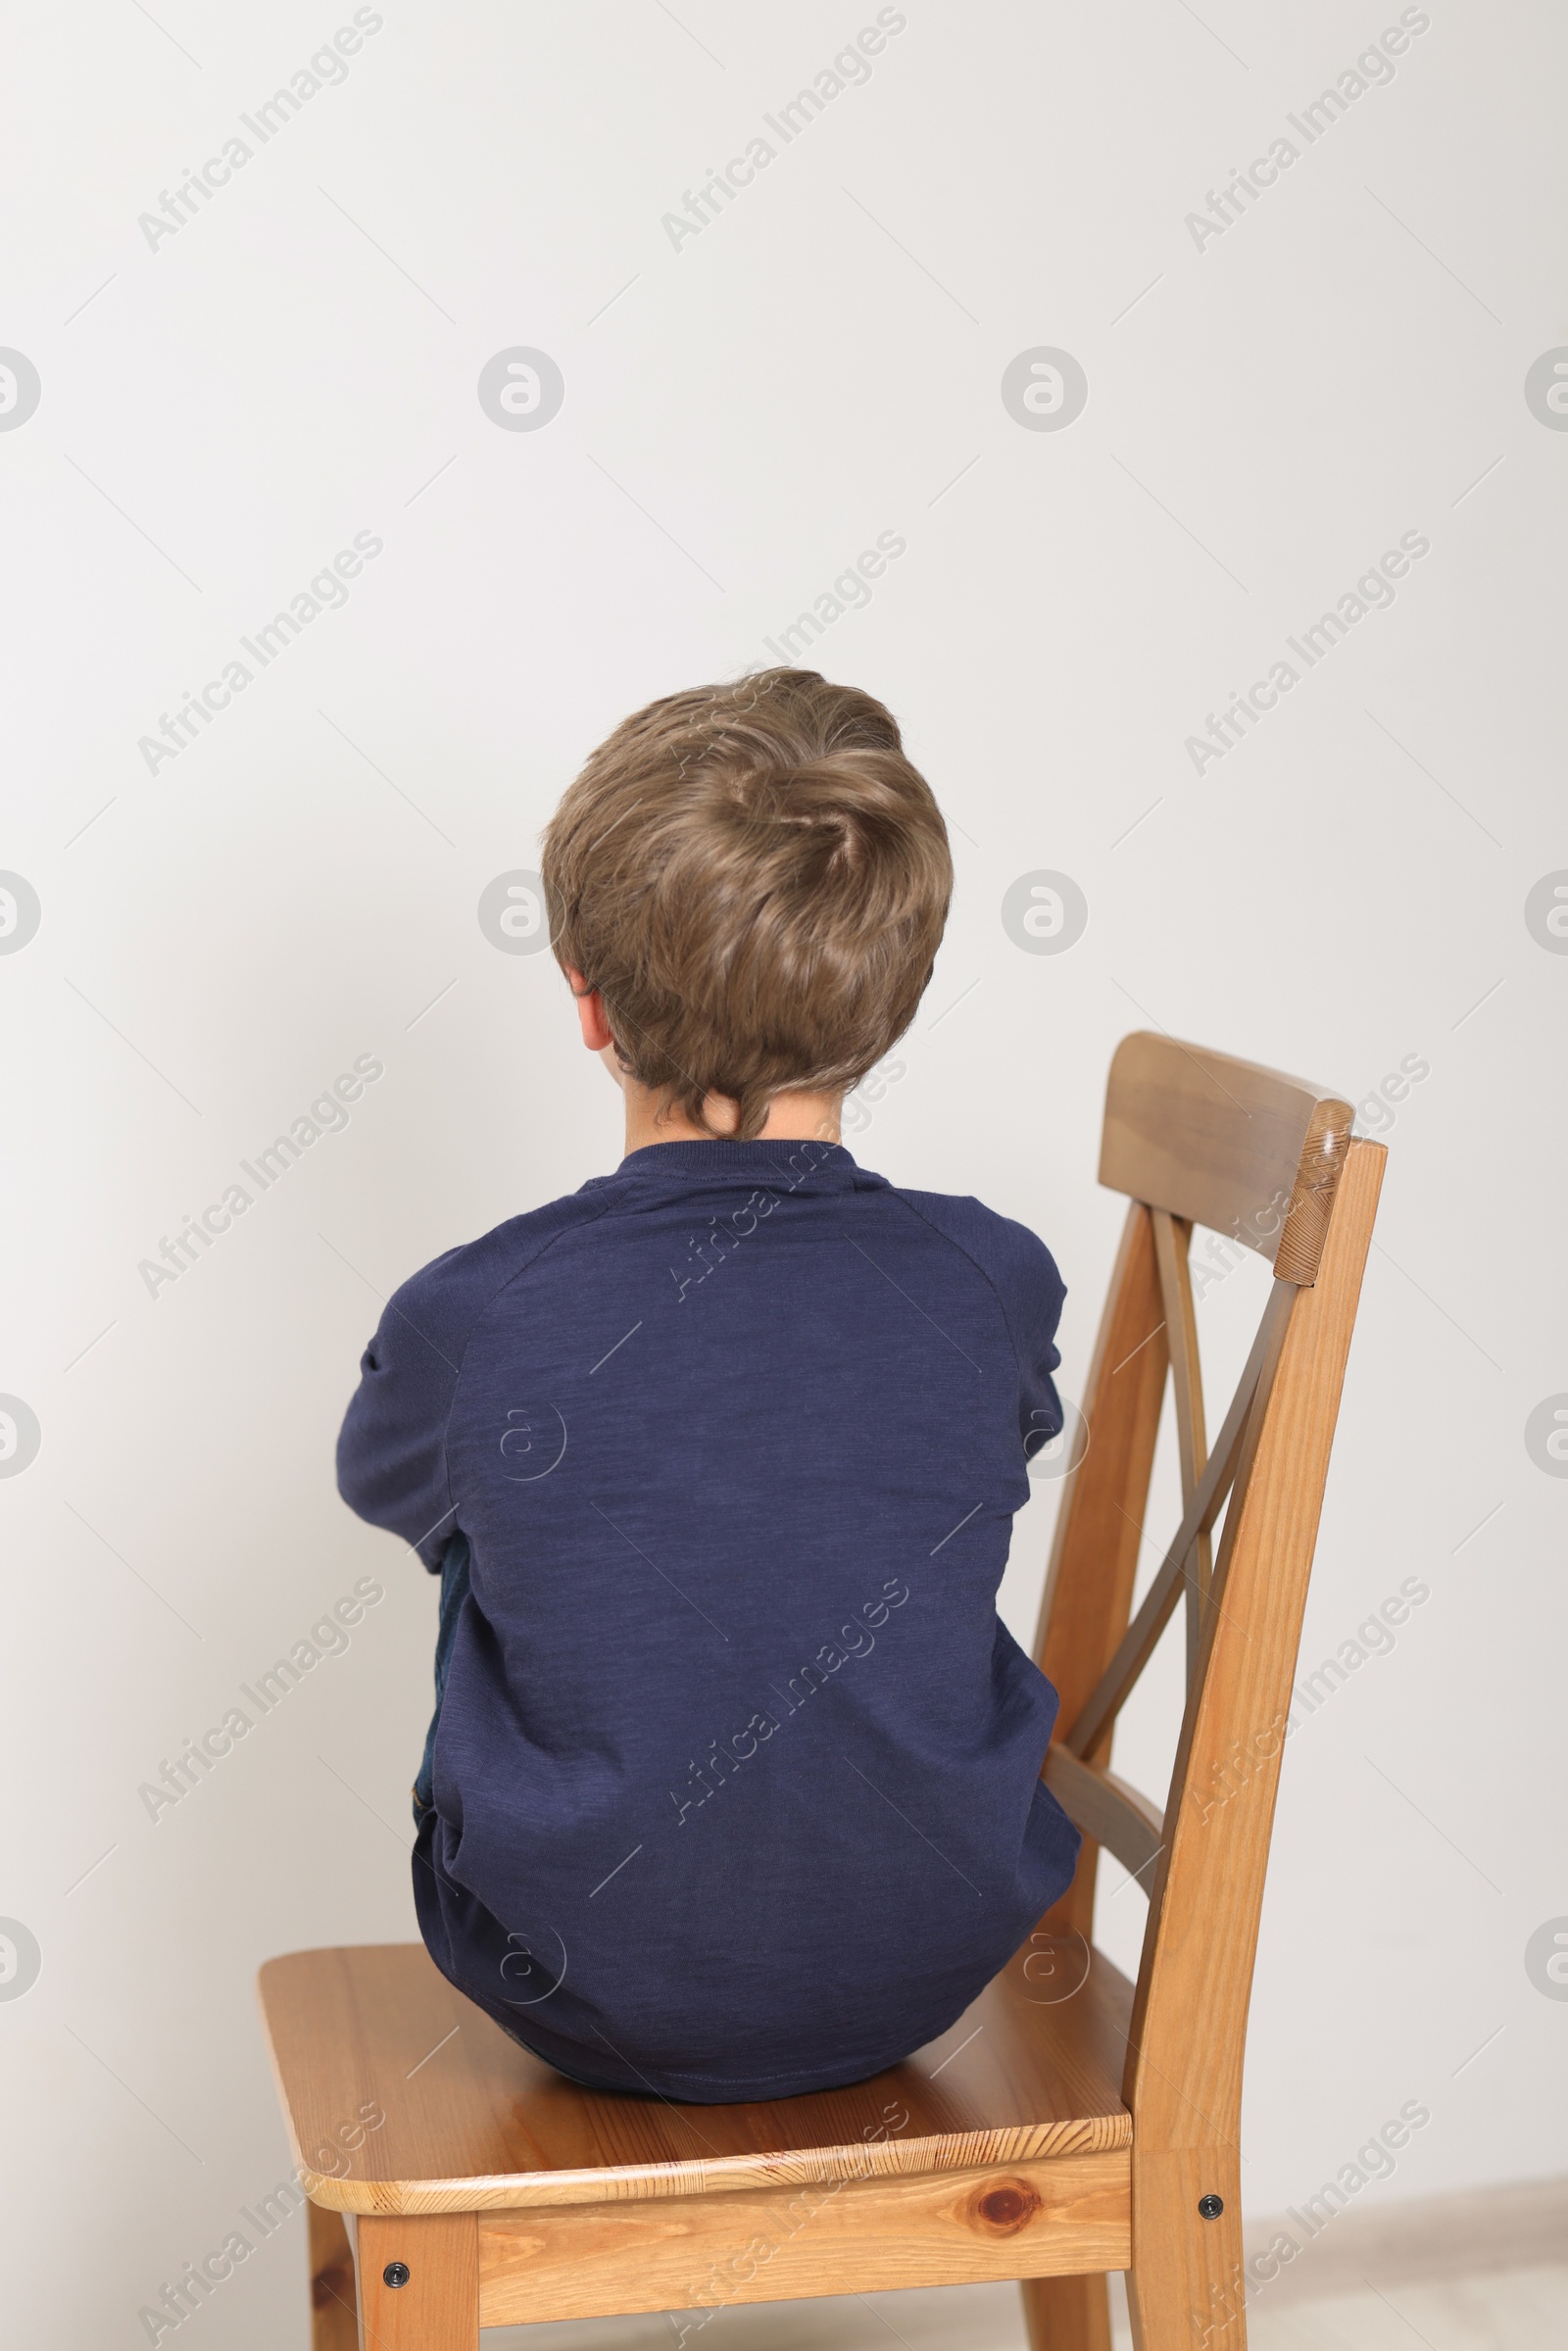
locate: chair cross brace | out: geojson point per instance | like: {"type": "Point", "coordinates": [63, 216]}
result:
{"type": "Point", "coordinates": [1172, 1235]}
{"type": "Point", "coordinates": [1068, 2132]}
{"type": "Point", "coordinates": [1184, 1561]}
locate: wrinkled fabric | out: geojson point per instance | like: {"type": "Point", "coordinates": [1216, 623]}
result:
{"type": "Point", "coordinates": [734, 1787]}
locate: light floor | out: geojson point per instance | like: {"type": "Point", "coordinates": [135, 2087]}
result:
{"type": "Point", "coordinates": [1504, 2310]}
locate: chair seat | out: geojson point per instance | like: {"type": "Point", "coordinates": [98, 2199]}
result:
{"type": "Point", "coordinates": [457, 2184]}
{"type": "Point", "coordinates": [475, 2124]}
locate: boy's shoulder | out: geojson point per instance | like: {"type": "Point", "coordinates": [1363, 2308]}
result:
{"type": "Point", "coordinates": [1009, 1256]}
{"type": "Point", "coordinates": [998, 1244]}
{"type": "Point", "coordinates": [447, 1297]}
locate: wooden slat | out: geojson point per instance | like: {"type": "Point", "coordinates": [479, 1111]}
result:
{"type": "Point", "coordinates": [1227, 1143]}
{"type": "Point", "coordinates": [1067, 2314]}
{"type": "Point", "coordinates": [334, 2324]}
{"type": "Point", "coordinates": [474, 2122]}
{"type": "Point", "coordinates": [704, 2253]}
{"type": "Point", "coordinates": [437, 2307]}
{"type": "Point", "coordinates": [1185, 2085]}
{"type": "Point", "coordinates": [1094, 1556]}
{"type": "Point", "coordinates": [1172, 1237]}
{"type": "Point", "coordinates": [1087, 1732]}
{"type": "Point", "coordinates": [1185, 2288]}
{"type": "Point", "coordinates": [1106, 1809]}
{"type": "Point", "coordinates": [1042, 2138]}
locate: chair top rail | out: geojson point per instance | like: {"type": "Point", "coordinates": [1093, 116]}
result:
{"type": "Point", "coordinates": [1246, 1151]}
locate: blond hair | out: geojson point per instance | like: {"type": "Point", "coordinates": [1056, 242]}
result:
{"type": "Point", "coordinates": [756, 880]}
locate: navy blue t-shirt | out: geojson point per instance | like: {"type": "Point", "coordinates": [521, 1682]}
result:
{"type": "Point", "coordinates": [737, 1773]}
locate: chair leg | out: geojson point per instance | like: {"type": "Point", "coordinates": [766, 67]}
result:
{"type": "Point", "coordinates": [418, 2281]}
{"type": "Point", "coordinates": [334, 2321]}
{"type": "Point", "coordinates": [1185, 2289]}
{"type": "Point", "coordinates": [1066, 2313]}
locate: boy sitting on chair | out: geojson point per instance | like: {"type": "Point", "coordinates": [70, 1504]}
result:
{"type": "Point", "coordinates": [733, 1787]}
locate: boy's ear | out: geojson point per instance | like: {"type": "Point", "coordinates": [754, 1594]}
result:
{"type": "Point", "coordinates": [590, 1012]}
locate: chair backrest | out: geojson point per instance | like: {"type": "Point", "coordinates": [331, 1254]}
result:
{"type": "Point", "coordinates": [1199, 1138]}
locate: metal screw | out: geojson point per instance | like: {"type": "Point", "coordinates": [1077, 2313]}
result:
{"type": "Point", "coordinates": [1211, 2207]}
{"type": "Point", "coordinates": [395, 2274]}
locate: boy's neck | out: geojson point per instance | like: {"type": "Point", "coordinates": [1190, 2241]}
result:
{"type": "Point", "coordinates": [791, 1118]}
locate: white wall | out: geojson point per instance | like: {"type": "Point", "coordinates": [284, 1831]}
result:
{"type": "Point", "coordinates": [223, 411]}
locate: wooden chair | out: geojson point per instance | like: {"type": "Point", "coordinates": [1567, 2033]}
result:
{"type": "Point", "coordinates": [1070, 2123]}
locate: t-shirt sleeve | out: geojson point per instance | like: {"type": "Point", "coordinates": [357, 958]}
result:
{"type": "Point", "coordinates": [391, 1452]}
{"type": "Point", "coordinates": [1022, 1272]}
{"type": "Point", "coordinates": [1032, 1294]}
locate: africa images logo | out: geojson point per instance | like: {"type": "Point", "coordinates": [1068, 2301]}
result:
{"type": "Point", "coordinates": [521, 388]}
{"type": "Point", "coordinates": [20, 389]}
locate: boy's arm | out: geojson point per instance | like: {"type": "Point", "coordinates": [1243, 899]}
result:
{"type": "Point", "coordinates": [391, 1453]}
{"type": "Point", "coordinates": [1034, 1305]}
{"type": "Point", "coordinates": [1022, 1274]}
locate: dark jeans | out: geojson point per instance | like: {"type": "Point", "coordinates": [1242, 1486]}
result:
{"type": "Point", "coordinates": [453, 1591]}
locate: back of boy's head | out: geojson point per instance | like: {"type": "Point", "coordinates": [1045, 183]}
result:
{"type": "Point", "coordinates": [756, 880]}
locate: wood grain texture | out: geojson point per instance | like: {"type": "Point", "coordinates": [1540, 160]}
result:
{"type": "Point", "coordinates": [1089, 1734]}
{"type": "Point", "coordinates": [334, 2321]}
{"type": "Point", "coordinates": [1067, 2314]}
{"type": "Point", "coordinates": [1209, 1892]}
{"type": "Point", "coordinates": [474, 2122]}
{"type": "Point", "coordinates": [1093, 1555]}
{"type": "Point", "coordinates": [1106, 1808]}
{"type": "Point", "coordinates": [438, 2308]}
{"type": "Point", "coordinates": [1172, 1240]}
{"type": "Point", "coordinates": [704, 2253]}
{"type": "Point", "coordinates": [1064, 2125]}
{"type": "Point", "coordinates": [1246, 1151]}
{"type": "Point", "coordinates": [1185, 2286]}
{"type": "Point", "coordinates": [1185, 2085]}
